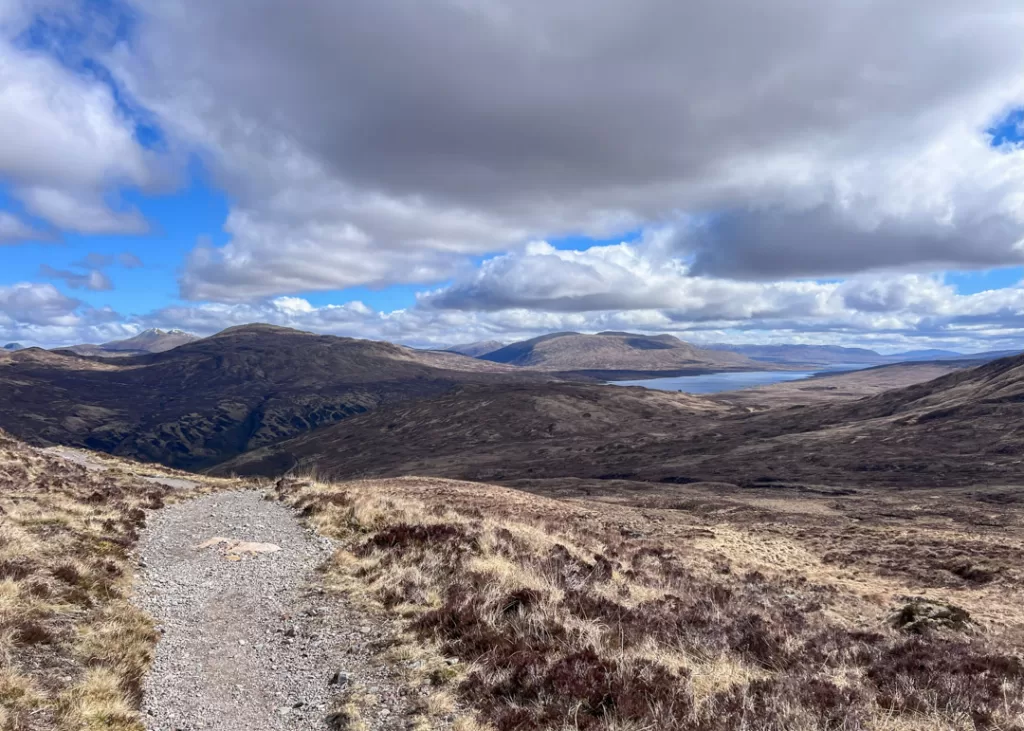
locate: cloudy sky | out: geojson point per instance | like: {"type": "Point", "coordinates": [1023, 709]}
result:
{"type": "Point", "coordinates": [439, 171]}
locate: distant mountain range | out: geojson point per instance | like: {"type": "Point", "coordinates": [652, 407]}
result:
{"type": "Point", "coordinates": [832, 355]}
{"type": "Point", "coordinates": [147, 341]}
{"type": "Point", "coordinates": [804, 354]}
{"type": "Point", "coordinates": [619, 354]}
{"type": "Point", "coordinates": [11, 347]}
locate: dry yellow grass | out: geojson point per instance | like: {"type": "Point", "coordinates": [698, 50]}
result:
{"type": "Point", "coordinates": [73, 650]}
{"type": "Point", "coordinates": [604, 618]}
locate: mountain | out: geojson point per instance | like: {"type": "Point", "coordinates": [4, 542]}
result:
{"type": "Point", "coordinates": [477, 349]}
{"type": "Point", "coordinates": [152, 341]}
{"type": "Point", "coordinates": [927, 354]}
{"type": "Point", "coordinates": [811, 355]}
{"type": "Point", "coordinates": [11, 347]}
{"type": "Point", "coordinates": [983, 357]}
{"type": "Point", "coordinates": [199, 403]}
{"type": "Point", "coordinates": [147, 341]}
{"type": "Point", "coordinates": [617, 353]}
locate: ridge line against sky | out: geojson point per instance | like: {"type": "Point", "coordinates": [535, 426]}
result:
{"type": "Point", "coordinates": [459, 170]}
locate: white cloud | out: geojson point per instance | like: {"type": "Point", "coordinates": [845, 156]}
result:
{"type": "Point", "coordinates": [895, 312]}
{"type": "Point", "coordinates": [760, 146]}
{"type": "Point", "coordinates": [81, 212]}
{"type": "Point", "coordinates": [64, 142]}
{"type": "Point", "coordinates": [36, 304]}
{"type": "Point", "coordinates": [39, 314]}
{"type": "Point", "coordinates": [13, 230]}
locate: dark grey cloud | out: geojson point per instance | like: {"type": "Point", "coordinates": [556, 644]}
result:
{"type": "Point", "coordinates": [774, 243]}
{"type": "Point", "coordinates": [377, 131]}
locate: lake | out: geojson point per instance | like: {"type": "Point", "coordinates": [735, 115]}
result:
{"type": "Point", "coordinates": [734, 381]}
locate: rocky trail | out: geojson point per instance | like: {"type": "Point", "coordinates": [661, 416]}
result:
{"type": "Point", "coordinates": [249, 641]}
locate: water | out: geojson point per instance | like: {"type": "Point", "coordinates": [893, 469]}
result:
{"type": "Point", "coordinates": [721, 382]}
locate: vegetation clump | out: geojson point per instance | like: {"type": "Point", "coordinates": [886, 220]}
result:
{"type": "Point", "coordinates": [921, 615]}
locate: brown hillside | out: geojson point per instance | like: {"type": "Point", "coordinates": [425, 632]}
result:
{"type": "Point", "coordinates": [615, 351]}
{"type": "Point", "coordinates": [489, 432]}
{"type": "Point", "coordinates": [208, 400]}
{"type": "Point", "coordinates": [963, 428]}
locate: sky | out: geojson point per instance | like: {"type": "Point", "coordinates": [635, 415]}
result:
{"type": "Point", "coordinates": [447, 171]}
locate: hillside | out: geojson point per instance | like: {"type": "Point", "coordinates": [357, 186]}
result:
{"type": "Point", "coordinates": [961, 428]}
{"type": "Point", "coordinates": [487, 432]}
{"type": "Point", "coordinates": [202, 402]}
{"type": "Point", "coordinates": [926, 354]}
{"type": "Point", "coordinates": [841, 385]}
{"type": "Point", "coordinates": [616, 352]}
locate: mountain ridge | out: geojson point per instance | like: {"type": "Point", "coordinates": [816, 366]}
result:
{"type": "Point", "coordinates": [615, 351]}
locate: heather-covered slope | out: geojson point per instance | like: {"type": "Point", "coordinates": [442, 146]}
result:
{"type": "Point", "coordinates": [489, 432]}
{"type": "Point", "coordinates": [205, 401]}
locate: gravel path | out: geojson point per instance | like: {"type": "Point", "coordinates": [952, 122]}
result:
{"type": "Point", "coordinates": [249, 642]}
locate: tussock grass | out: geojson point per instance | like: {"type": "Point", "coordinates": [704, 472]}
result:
{"type": "Point", "coordinates": [561, 618]}
{"type": "Point", "coordinates": [73, 650]}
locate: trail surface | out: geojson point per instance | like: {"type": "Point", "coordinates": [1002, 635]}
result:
{"type": "Point", "coordinates": [249, 642]}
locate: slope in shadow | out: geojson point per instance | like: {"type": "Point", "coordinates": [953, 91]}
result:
{"type": "Point", "coordinates": [205, 401]}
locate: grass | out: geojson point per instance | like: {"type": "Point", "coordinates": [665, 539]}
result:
{"type": "Point", "coordinates": [73, 649]}
{"type": "Point", "coordinates": [560, 615]}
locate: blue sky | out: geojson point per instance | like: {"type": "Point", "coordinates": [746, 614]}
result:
{"type": "Point", "coordinates": [268, 184]}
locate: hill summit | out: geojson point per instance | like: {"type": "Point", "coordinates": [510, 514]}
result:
{"type": "Point", "coordinates": [616, 351]}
